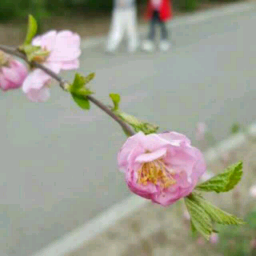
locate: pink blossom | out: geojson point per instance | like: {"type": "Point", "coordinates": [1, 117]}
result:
{"type": "Point", "coordinates": [64, 48]}
{"type": "Point", "coordinates": [64, 51]}
{"type": "Point", "coordinates": [200, 131]}
{"type": "Point", "coordinates": [12, 73]}
{"type": "Point", "coordinates": [161, 167]}
{"type": "Point", "coordinates": [36, 85]}
{"type": "Point", "coordinates": [253, 191]}
{"type": "Point", "coordinates": [214, 238]}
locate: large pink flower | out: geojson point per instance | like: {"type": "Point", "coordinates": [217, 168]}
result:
{"type": "Point", "coordinates": [12, 73]}
{"type": "Point", "coordinates": [64, 51]}
{"type": "Point", "coordinates": [161, 167]}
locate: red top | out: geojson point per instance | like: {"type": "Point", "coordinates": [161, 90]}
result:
{"type": "Point", "coordinates": [165, 10]}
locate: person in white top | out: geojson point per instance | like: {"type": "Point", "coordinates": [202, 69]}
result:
{"type": "Point", "coordinates": [124, 21]}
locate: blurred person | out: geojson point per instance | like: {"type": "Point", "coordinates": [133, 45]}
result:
{"type": "Point", "coordinates": [124, 20]}
{"type": "Point", "coordinates": [158, 12]}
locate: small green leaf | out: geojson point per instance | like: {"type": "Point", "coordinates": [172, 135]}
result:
{"type": "Point", "coordinates": [79, 81]}
{"type": "Point", "coordinates": [137, 124]}
{"type": "Point", "coordinates": [193, 228]}
{"type": "Point", "coordinates": [89, 78]}
{"type": "Point", "coordinates": [32, 30]}
{"type": "Point", "coordinates": [79, 91]}
{"type": "Point", "coordinates": [199, 218]}
{"type": "Point", "coordinates": [79, 84]}
{"type": "Point", "coordinates": [81, 101]}
{"type": "Point", "coordinates": [225, 181]}
{"type": "Point", "coordinates": [216, 214]}
{"type": "Point", "coordinates": [116, 100]}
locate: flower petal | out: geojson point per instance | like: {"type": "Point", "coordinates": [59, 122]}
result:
{"type": "Point", "coordinates": [46, 41]}
{"type": "Point", "coordinates": [41, 95]}
{"type": "Point", "coordinates": [67, 47]}
{"type": "Point", "coordinates": [149, 157]}
{"type": "Point", "coordinates": [130, 144]}
{"type": "Point", "coordinates": [69, 65]}
{"type": "Point", "coordinates": [35, 80]}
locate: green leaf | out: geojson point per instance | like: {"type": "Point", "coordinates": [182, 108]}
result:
{"type": "Point", "coordinates": [216, 214]}
{"type": "Point", "coordinates": [79, 91]}
{"type": "Point", "coordinates": [89, 78]}
{"type": "Point", "coordinates": [225, 181]}
{"type": "Point", "coordinates": [81, 101]}
{"type": "Point", "coordinates": [199, 218]}
{"type": "Point", "coordinates": [32, 30]}
{"type": "Point", "coordinates": [137, 124]}
{"type": "Point", "coordinates": [116, 100]}
{"type": "Point", "coordinates": [79, 84]}
{"type": "Point", "coordinates": [193, 228]}
{"type": "Point", "coordinates": [79, 81]}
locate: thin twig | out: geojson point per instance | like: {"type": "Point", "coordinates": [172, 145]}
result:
{"type": "Point", "coordinates": [62, 83]}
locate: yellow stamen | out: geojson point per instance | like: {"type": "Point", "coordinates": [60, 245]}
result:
{"type": "Point", "coordinates": [156, 173]}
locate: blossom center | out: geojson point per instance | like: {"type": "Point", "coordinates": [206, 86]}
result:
{"type": "Point", "coordinates": [41, 56]}
{"type": "Point", "coordinates": [157, 173]}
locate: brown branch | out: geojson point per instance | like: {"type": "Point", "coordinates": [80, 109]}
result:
{"type": "Point", "coordinates": [63, 83]}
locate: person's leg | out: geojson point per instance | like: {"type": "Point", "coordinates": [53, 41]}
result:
{"type": "Point", "coordinates": [132, 29]}
{"type": "Point", "coordinates": [164, 43]}
{"type": "Point", "coordinates": [148, 45]}
{"type": "Point", "coordinates": [164, 31]}
{"type": "Point", "coordinates": [152, 29]}
{"type": "Point", "coordinates": [116, 31]}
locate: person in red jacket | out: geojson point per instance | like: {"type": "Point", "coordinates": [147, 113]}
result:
{"type": "Point", "coordinates": [158, 12]}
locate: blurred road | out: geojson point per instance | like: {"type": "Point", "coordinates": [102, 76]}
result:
{"type": "Point", "coordinates": [58, 164]}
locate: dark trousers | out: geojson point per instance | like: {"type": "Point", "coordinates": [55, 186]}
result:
{"type": "Point", "coordinates": [156, 21]}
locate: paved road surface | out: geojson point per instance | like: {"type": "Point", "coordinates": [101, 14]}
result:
{"type": "Point", "coordinates": [58, 164]}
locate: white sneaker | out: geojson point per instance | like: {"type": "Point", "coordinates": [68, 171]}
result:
{"type": "Point", "coordinates": [164, 45]}
{"type": "Point", "coordinates": [148, 46]}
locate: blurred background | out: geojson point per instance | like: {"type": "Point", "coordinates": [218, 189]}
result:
{"type": "Point", "coordinates": [58, 164]}
{"type": "Point", "coordinates": [87, 17]}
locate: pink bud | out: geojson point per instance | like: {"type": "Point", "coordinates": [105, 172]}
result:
{"type": "Point", "coordinates": [200, 131]}
{"type": "Point", "coordinates": [253, 191]}
{"type": "Point", "coordinates": [214, 239]}
{"type": "Point", "coordinates": [12, 73]}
